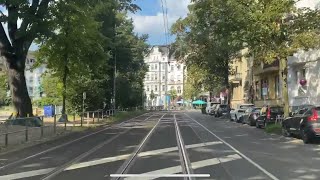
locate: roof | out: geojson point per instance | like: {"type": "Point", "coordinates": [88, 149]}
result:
{"type": "Point", "coordinates": [164, 50]}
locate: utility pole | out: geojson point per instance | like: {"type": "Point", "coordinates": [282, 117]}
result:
{"type": "Point", "coordinates": [114, 81]}
{"type": "Point", "coordinates": [166, 80]}
{"type": "Point", "coordinates": [183, 84]}
{"type": "Point", "coordinates": [160, 101]}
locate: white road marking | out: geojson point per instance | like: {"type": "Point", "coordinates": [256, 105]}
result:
{"type": "Point", "coordinates": [26, 174]}
{"type": "Point", "coordinates": [67, 143]}
{"type": "Point", "coordinates": [237, 151]}
{"type": "Point", "coordinates": [195, 165]}
{"type": "Point", "coordinates": [103, 161]}
{"type": "Point", "coordinates": [159, 175]}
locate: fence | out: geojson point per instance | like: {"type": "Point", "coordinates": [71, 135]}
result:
{"type": "Point", "coordinates": [21, 130]}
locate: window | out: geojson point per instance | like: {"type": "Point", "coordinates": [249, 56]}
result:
{"type": "Point", "coordinates": [264, 89]}
{"type": "Point", "coordinates": [277, 86]}
{"type": "Point", "coordinates": [30, 91]}
{"type": "Point", "coordinates": [152, 77]}
{"type": "Point", "coordinates": [39, 79]}
{"type": "Point", "coordinates": [303, 73]}
{"type": "Point", "coordinates": [178, 67]}
{"type": "Point", "coordinates": [172, 68]}
{"type": "Point", "coordinates": [155, 88]}
{"type": "Point", "coordinates": [179, 78]}
{"type": "Point", "coordinates": [179, 89]}
{"type": "Point", "coordinates": [163, 87]}
{"type": "Point", "coordinates": [31, 80]}
{"type": "Point", "coordinates": [163, 77]}
{"type": "Point", "coordinates": [162, 67]}
{"type": "Point", "coordinates": [155, 76]}
{"type": "Point", "coordinates": [156, 66]}
{"type": "Point", "coordinates": [171, 78]}
{"type": "Point", "coordinates": [148, 77]}
{"type": "Point", "coordinates": [257, 90]}
{"type": "Point", "coordinates": [148, 88]}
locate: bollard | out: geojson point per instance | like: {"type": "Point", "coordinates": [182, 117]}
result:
{"type": "Point", "coordinates": [6, 139]}
{"type": "Point", "coordinates": [41, 126]}
{"type": "Point", "coordinates": [27, 130]}
{"type": "Point", "coordinates": [81, 120]}
{"type": "Point", "coordinates": [88, 116]}
{"type": "Point", "coordinates": [93, 117]}
{"type": "Point", "coordinates": [54, 124]}
{"type": "Point", "coordinates": [74, 120]}
{"type": "Point", "coordinates": [6, 136]}
{"type": "Point", "coordinates": [65, 121]}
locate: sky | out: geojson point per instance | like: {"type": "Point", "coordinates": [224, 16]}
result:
{"type": "Point", "coordinates": [150, 20]}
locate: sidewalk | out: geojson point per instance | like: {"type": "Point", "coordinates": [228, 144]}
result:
{"type": "Point", "coordinates": [12, 135]}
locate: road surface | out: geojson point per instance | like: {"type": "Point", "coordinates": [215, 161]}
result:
{"type": "Point", "coordinates": [167, 145]}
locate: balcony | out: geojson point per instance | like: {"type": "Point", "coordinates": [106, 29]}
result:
{"type": "Point", "coordinates": [236, 78]}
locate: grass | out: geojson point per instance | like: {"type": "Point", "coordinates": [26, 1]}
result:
{"type": "Point", "coordinates": [122, 116]}
{"type": "Point", "coordinates": [273, 128]}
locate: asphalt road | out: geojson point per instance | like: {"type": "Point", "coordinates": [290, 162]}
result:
{"type": "Point", "coordinates": [167, 145]}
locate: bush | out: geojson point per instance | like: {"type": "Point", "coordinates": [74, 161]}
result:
{"type": "Point", "coordinates": [274, 128]}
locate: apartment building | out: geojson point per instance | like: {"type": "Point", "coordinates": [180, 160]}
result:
{"type": "Point", "coordinates": [162, 68]}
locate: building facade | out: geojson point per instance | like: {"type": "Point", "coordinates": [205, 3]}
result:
{"type": "Point", "coordinates": [164, 74]}
{"type": "Point", "coordinates": [34, 76]}
{"type": "Point", "coordinates": [240, 79]}
{"type": "Point", "coordinates": [304, 66]}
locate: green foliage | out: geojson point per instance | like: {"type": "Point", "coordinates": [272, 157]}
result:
{"type": "Point", "coordinates": [89, 40]}
{"type": "Point", "coordinates": [3, 89]}
{"type": "Point", "coordinates": [173, 94]}
{"type": "Point", "coordinates": [274, 128]}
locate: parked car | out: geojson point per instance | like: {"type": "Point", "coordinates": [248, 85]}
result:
{"type": "Point", "coordinates": [305, 123]}
{"type": "Point", "coordinates": [211, 107]}
{"type": "Point", "coordinates": [237, 113]}
{"type": "Point", "coordinates": [268, 114]}
{"type": "Point", "coordinates": [250, 116]}
{"type": "Point", "coordinates": [221, 109]}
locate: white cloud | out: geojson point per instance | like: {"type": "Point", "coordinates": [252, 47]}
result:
{"type": "Point", "coordinates": [308, 3]}
{"type": "Point", "coordinates": [154, 25]}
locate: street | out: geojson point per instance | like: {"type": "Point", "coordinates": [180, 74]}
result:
{"type": "Point", "coordinates": [167, 145]}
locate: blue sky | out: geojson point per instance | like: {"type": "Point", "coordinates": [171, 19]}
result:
{"type": "Point", "coordinates": [150, 20]}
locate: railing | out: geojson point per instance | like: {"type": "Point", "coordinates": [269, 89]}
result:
{"type": "Point", "coordinates": [20, 130]}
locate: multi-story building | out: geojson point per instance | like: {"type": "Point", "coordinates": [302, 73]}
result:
{"type": "Point", "coordinates": [164, 72]}
{"type": "Point", "coordinates": [33, 76]}
{"type": "Point", "coordinates": [304, 78]}
{"type": "Point", "coordinates": [240, 79]}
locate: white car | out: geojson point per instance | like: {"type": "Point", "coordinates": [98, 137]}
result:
{"type": "Point", "coordinates": [236, 114]}
{"type": "Point", "coordinates": [211, 107]}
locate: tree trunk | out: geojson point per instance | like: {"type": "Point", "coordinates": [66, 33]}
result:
{"type": "Point", "coordinates": [20, 97]}
{"type": "Point", "coordinates": [284, 75]}
{"type": "Point", "coordinates": [64, 94]}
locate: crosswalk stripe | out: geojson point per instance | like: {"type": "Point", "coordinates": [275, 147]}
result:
{"type": "Point", "coordinates": [195, 165]}
{"type": "Point", "coordinates": [103, 161]}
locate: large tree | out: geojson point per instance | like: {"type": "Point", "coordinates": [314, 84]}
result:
{"type": "Point", "coordinates": [23, 21]}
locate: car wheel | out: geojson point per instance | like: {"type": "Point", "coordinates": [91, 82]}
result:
{"type": "Point", "coordinates": [285, 132]}
{"type": "Point", "coordinates": [305, 137]}
{"type": "Point", "coordinates": [258, 125]}
{"type": "Point", "coordinates": [252, 123]}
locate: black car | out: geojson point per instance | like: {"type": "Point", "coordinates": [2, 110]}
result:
{"type": "Point", "coordinates": [269, 114]}
{"type": "Point", "coordinates": [305, 123]}
{"type": "Point", "coordinates": [221, 109]}
{"type": "Point", "coordinates": [251, 115]}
